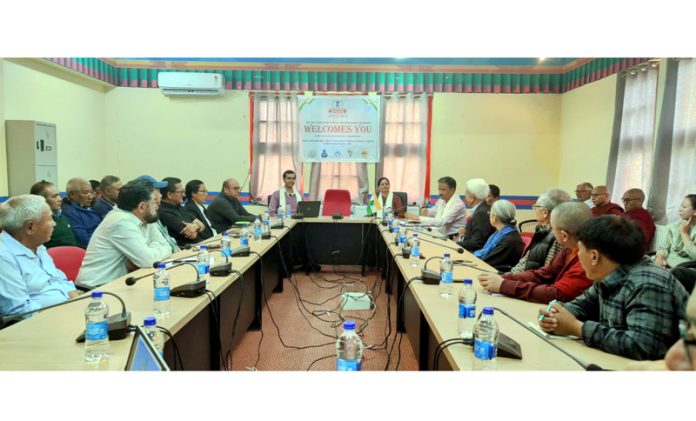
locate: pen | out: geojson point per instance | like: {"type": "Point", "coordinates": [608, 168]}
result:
{"type": "Point", "coordinates": [548, 308]}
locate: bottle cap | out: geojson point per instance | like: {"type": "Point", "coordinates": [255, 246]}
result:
{"type": "Point", "coordinates": [97, 294]}
{"type": "Point", "coordinates": [204, 247]}
{"type": "Point", "coordinates": [245, 225]}
{"type": "Point", "coordinates": [150, 321]}
{"type": "Point", "coordinates": [161, 265]}
{"type": "Point", "coordinates": [225, 234]}
{"type": "Point", "coordinates": [349, 325]}
{"type": "Point", "coordinates": [468, 281]}
{"type": "Point", "coordinates": [446, 255]}
{"type": "Point", "coordinates": [488, 311]}
{"type": "Point", "coordinates": [415, 235]}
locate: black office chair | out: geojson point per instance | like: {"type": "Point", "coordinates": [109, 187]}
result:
{"type": "Point", "coordinates": [268, 200]}
{"type": "Point", "coordinates": [528, 221]}
{"type": "Point", "coordinates": [686, 274]}
{"type": "Point", "coordinates": [403, 196]}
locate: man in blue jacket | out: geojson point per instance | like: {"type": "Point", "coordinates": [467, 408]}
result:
{"type": "Point", "coordinates": [81, 216]}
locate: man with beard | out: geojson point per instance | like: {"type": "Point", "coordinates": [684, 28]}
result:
{"type": "Point", "coordinates": [124, 237]}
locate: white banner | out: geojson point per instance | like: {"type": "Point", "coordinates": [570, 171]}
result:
{"type": "Point", "coordinates": [339, 128]}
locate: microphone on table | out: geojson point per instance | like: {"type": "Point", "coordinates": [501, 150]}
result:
{"type": "Point", "coordinates": [118, 323]}
{"type": "Point", "coordinates": [581, 363]}
{"type": "Point", "coordinates": [189, 246]}
{"type": "Point", "coordinates": [459, 250]}
{"type": "Point", "coordinates": [181, 259]}
{"type": "Point", "coordinates": [189, 290]}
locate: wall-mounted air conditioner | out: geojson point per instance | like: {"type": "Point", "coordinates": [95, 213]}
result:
{"type": "Point", "coordinates": [183, 83]}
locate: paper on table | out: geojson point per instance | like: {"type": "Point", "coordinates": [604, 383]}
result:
{"type": "Point", "coordinates": [535, 326]}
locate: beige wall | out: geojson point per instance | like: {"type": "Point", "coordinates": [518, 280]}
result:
{"type": "Point", "coordinates": [525, 143]}
{"type": "Point", "coordinates": [75, 105]}
{"type": "Point", "coordinates": [204, 138]}
{"type": "Point", "coordinates": [587, 118]}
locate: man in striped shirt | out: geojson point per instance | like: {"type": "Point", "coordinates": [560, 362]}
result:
{"type": "Point", "coordinates": [633, 308]}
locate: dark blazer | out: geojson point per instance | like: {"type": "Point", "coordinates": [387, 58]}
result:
{"type": "Point", "coordinates": [175, 217]}
{"type": "Point", "coordinates": [197, 214]}
{"type": "Point", "coordinates": [226, 211]}
{"type": "Point", "coordinates": [478, 229]}
{"type": "Point", "coordinates": [507, 253]}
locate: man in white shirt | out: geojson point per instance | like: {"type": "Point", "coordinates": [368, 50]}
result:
{"type": "Point", "coordinates": [125, 238]}
{"type": "Point", "coordinates": [449, 214]}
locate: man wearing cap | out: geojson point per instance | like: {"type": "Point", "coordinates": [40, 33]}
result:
{"type": "Point", "coordinates": [125, 240]}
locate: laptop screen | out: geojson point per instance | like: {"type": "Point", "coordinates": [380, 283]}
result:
{"type": "Point", "coordinates": [143, 355]}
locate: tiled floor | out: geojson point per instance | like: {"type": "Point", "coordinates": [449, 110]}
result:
{"type": "Point", "coordinates": [308, 315]}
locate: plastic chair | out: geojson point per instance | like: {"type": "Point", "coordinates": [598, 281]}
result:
{"type": "Point", "coordinates": [68, 259]}
{"type": "Point", "coordinates": [528, 221]}
{"type": "Point", "coordinates": [527, 240]}
{"type": "Point", "coordinates": [336, 200]}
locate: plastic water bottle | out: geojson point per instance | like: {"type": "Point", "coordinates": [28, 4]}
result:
{"type": "Point", "coordinates": [225, 248]}
{"type": "Point", "coordinates": [467, 310]}
{"type": "Point", "coordinates": [402, 236]}
{"type": "Point", "coordinates": [485, 341]}
{"type": "Point", "coordinates": [257, 230]}
{"type": "Point", "coordinates": [244, 236]}
{"type": "Point", "coordinates": [415, 251]}
{"type": "Point", "coordinates": [280, 213]}
{"type": "Point", "coordinates": [288, 213]}
{"type": "Point", "coordinates": [160, 281]}
{"type": "Point", "coordinates": [266, 216]}
{"type": "Point", "coordinates": [266, 227]}
{"type": "Point", "coordinates": [390, 217]}
{"type": "Point", "coordinates": [97, 329]}
{"type": "Point", "coordinates": [155, 335]}
{"type": "Point", "coordinates": [203, 264]}
{"type": "Point", "coordinates": [446, 278]}
{"type": "Point", "coordinates": [349, 348]}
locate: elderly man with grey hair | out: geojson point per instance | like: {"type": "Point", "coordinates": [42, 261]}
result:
{"type": "Point", "coordinates": [478, 227]}
{"type": "Point", "coordinates": [504, 248]}
{"type": "Point", "coordinates": [543, 247]}
{"type": "Point", "coordinates": [29, 280]}
{"type": "Point", "coordinates": [564, 278]}
{"type": "Point", "coordinates": [83, 219]}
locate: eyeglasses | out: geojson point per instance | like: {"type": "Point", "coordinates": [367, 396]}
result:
{"type": "Point", "coordinates": [582, 191]}
{"type": "Point", "coordinates": [537, 206]}
{"type": "Point", "coordinates": [178, 192]}
{"type": "Point", "coordinates": [597, 194]}
{"type": "Point", "coordinates": [202, 191]}
{"type": "Point", "coordinates": [688, 336]}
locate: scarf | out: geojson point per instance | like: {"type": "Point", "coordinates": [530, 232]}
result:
{"type": "Point", "coordinates": [493, 241]}
{"type": "Point", "coordinates": [378, 203]}
{"type": "Point", "coordinates": [281, 197]}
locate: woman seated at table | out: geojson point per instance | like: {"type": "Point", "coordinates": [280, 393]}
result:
{"type": "Point", "coordinates": [543, 247]}
{"type": "Point", "coordinates": [680, 244]}
{"type": "Point", "coordinates": [287, 197]}
{"type": "Point", "coordinates": [384, 198]}
{"type": "Point", "coordinates": [504, 247]}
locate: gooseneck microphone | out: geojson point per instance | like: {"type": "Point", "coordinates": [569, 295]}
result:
{"type": "Point", "coordinates": [132, 280]}
{"type": "Point", "coordinates": [189, 290]}
{"type": "Point", "coordinates": [459, 250]}
{"type": "Point", "coordinates": [182, 259]}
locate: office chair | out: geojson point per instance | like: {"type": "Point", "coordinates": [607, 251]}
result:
{"type": "Point", "coordinates": [68, 259]}
{"type": "Point", "coordinates": [336, 200]}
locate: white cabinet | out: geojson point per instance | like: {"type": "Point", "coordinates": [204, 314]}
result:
{"type": "Point", "coordinates": [32, 154]}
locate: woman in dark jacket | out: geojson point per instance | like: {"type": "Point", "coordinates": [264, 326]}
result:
{"type": "Point", "coordinates": [504, 248]}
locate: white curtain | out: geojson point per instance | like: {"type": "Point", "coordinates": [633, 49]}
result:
{"type": "Point", "coordinates": [405, 140]}
{"type": "Point", "coordinates": [634, 157]}
{"type": "Point", "coordinates": [276, 143]}
{"type": "Point", "coordinates": [351, 176]}
{"type": "Point", "coordinates": [682, 168]}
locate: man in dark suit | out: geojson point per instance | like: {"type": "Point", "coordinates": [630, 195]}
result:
{"type": "Point", "coordinates": [226, 210]}
{"type": "Point", "coordinates": [196, 195]}
{"type": "Point", "coordinates": [478, 227]}
{"type": "Point", "coordinates": [181, 225]}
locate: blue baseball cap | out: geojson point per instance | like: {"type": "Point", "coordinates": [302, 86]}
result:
{"type": "Point", "coordinates": [156, 184]}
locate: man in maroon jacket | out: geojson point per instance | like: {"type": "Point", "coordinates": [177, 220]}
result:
{"type": "Point", "coordinates": [564, 278]}
{"type": "Point", "coordinates": [633, 204]}
{"type": "Point", "coordinates": [602, 205]}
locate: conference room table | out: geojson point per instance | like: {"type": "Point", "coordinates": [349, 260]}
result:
{"type": "Point", "coordinates": [206, 330]}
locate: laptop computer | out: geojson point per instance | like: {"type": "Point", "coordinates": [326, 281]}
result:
{"type": "Point", "coordinates": [143, 355]}
{"type": "Point", "coordinates": [309, 209]}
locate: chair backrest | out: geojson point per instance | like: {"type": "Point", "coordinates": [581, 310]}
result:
{"type": "Point", "coordinates": [68, 259]}
{"type": "Point", "coordinates": [526, 239]}
{"type": "Point", "coordinates": [534, 223]}
{"type": "Point", "coordinates": [336, 200]}
{"type": "Point", "coordinates": [403, 196]}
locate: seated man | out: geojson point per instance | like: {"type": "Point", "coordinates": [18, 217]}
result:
{"type": "Point", "coordinates": [196, 195]}
{"type": "Point", "coordinates": [83, 219]}
{"type": "Point", "coordinates": [602, 205]}
{"type": "Point", "coordinates": [124, 237]}
{"type": "Point", "coordinates": [110, 185]}
{"type": "Point", "coordinates": [157, 225]}
{"type": "Point", "coordinates": [583, 193]}
{"type": "Point", "coordinates": [62, 233]}
{"type": "Point", "coordinates": [29, 279]}
{"type": "Point", "coordinates": [181, 225]}
{"type": "Point", "coordinates": [226, 210]}
{"type": "Point", "coordinates": [633, 205]}
{"type": "Point", "coordinates": [287, 197]}
{"type": "Point", "coordinates": [564, 278]}
{"type": "Point", "coordinates": [448, 214]}
{"type": "Point", "coordinates": [478, 227]}
{"type": "Point", "coordinates": [633, 308]}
